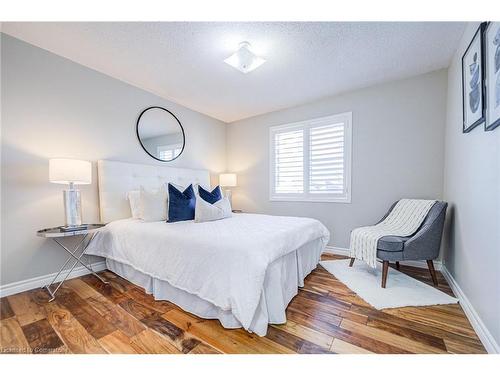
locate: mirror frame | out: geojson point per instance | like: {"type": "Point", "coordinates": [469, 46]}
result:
{"type": "Point", "coordinates": [139, 138]}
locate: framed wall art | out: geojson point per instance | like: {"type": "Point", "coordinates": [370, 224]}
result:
{"type": "Point", "coordinates": [472, 82]}
{"type": "Point", "coordinates": [492, 75]}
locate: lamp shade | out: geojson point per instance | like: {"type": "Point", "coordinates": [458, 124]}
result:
{"type": "Point", "coordinates": [65, 171]}
{"type": "Point", "coordinates": [227, 179]}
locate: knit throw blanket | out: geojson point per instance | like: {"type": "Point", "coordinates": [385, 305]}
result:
{"type": "Point", "coordinates": [404, 220]}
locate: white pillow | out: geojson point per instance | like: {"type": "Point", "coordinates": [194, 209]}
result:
{"type": "Point", "coordinates": [134, 199]}
{"type": "Point", "coordinates": [154, 204]}
{"type": "Point", "coordinates": [205, 211]}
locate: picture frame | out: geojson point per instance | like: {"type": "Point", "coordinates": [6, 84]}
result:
{"type": "Point", "coordinates": [491, 40]}
{"type": "Point", "coordinates": [473, 82]}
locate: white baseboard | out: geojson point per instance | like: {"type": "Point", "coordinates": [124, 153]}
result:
{"type": "Point", "coordinates": [484, 334]}
{"type": "Point", "coordinates": [41, 281]}
{"type": "Point", "coordinates": [336, 250]}
{"type": "Point", "coordinates": [413, 263]}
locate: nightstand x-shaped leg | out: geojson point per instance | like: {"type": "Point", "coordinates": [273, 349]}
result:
{"type": "Point", "coordinates": [77, 260]}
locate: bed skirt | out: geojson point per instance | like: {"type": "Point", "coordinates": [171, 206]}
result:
{"type": "Point", "coordinates": [283, 278]}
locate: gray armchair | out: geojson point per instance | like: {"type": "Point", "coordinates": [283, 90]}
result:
{"type": "Point", "coordinates": [423, 245]}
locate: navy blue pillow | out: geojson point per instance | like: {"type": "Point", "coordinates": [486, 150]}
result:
{"type": "Point", "coordinates": [180, 204]}
{"type": "Point", "coordinates": [210, 197]}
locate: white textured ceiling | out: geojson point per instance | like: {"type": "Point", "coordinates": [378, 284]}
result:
{"type": "Point", "coordinates": [183, 61]}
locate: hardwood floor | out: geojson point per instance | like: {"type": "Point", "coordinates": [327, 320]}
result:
{"type": "Point", "coordinates": [325, 317]}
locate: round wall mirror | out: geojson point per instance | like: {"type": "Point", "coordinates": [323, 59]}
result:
{"type": "Point", "coordinates": [160, 133]}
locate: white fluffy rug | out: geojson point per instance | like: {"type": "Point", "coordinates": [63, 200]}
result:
{"type": "Point", "coordinates": [401, 290]}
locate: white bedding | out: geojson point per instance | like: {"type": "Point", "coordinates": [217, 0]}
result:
{"type": "Point", "coordinates": [222, 262]}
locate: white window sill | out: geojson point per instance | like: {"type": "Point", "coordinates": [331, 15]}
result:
{"type": "Point", "coordinates": [308, 199]}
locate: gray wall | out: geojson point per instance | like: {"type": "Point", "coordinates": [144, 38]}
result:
{"type": "Point", "coordinates": [398, 138]}
{"type": "Point", "coordinates": [472, 187]}
{"type": "Point", "coordinates": [52, 107]}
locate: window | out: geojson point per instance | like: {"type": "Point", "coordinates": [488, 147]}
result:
{"type": "Point", "coordinates": [169, 152]}
{"type": "Point", "coordinates": [311, 160]}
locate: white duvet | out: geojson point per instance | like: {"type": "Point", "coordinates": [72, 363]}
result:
{"type": "Point", "coordinates": [223, 262]}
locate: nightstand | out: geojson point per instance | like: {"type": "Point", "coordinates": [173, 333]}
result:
{"type": "Point", "coordinates": [56, 234]}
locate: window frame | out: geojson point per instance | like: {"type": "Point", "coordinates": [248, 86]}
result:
{"type": "Point", "coordinates": [306, 196]}
{"type": "Point", "coordinates": [162, 148]}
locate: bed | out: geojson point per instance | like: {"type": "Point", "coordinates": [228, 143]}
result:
{"type": "Point", "coordinates": [242, 270]}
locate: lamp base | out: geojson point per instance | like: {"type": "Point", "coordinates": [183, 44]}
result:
{"type": "Point", "coordinates": [72, 208]}
{"type": "Point", "coordinates": [229, 196]}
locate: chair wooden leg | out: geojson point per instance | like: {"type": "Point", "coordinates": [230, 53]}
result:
{"type": "Point", "coordinates": [351, 262]}
{"type": "Point", "coordinates": [385, 270]}
{"type": "Point", "coordinates": [397, 266]}
{"type": "Point", "coordinates": [430, 264]}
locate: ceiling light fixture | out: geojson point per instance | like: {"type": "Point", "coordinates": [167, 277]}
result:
{"type": "Point", "coordinates": [244, 59]}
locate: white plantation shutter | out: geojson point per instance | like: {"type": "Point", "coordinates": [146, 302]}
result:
{"type": "Point", "coordinates": [289, 166]}
{"type": "Point", "coordinates": [310, 160]}
{"type": "Point", "coordinates": [326, 160]}
{"type": "Point", "coordinates": [168, 152]}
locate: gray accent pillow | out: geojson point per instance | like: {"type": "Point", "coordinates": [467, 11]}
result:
{"type": "Point", "coordinates": [205, 211]}
{"type": "Point", "coordinates": [154, 204]}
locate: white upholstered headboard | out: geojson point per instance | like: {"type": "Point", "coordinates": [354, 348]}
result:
{"type": "Point", "coordinates": [116, 179]}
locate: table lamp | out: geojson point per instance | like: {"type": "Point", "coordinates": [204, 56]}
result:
{"type": "Point", "coordinates": [228, 180]}
{"type": "Point", "coordinates": [72, 172]}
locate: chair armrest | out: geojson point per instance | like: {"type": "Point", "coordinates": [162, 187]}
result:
{"type": "Point", "coordinates": [426, 243]}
